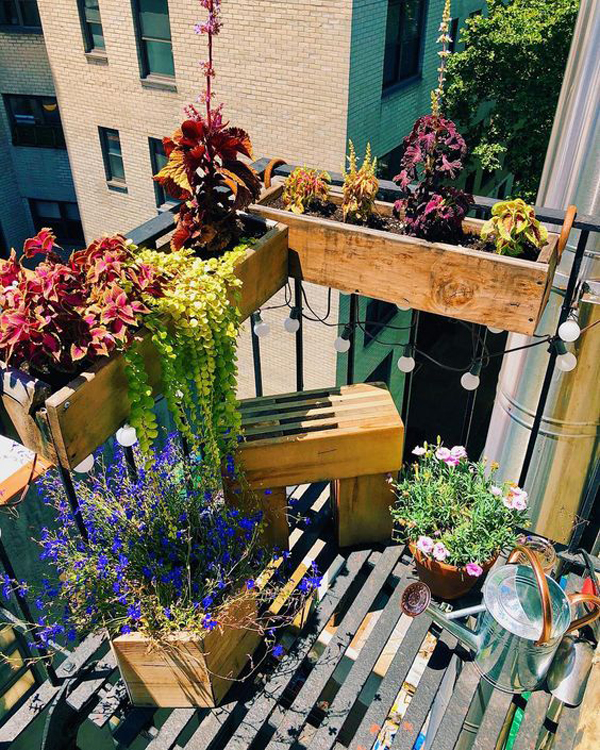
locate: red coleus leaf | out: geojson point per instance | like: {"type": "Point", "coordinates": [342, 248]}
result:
{"type": "Point", "coordinates": [43, 242]}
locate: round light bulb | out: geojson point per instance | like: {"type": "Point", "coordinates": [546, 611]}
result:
{"type": "Point", "coordinates": [569, 330]}
{"type": "Point", "coordinates": [262, 329]}
{"type": "Point", "coordinates": [126, 436]}
{"type": "Point", "coordinates": [495, 330]}
{"type": "Point", "coordinates": [291, 325]}
{"type": "Point", "coordinates": [86, 465]}
{"type": "Point", "coordinates": [469, 381]}
{"type": "Point", "coordinates": [406, 364]}
{"type": "Point", "coordinates": [566, 362]}
{"type": "Point", "coordinates": [341, 345]}
{"type": "Point", "coordinates": [402, 308]}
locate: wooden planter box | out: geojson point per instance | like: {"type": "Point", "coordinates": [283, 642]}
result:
{"type": "Point", "coordinates": [495, 290]}
{"type": "Point", "coordinates": [188, 671]}
{"type": "Point", "coordinates": [67, 425]}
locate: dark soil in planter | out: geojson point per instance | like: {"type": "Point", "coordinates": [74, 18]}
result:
{"type": "Point", "coordinates": [333, 212]}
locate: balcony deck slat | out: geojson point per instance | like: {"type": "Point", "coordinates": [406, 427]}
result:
{"type": "Point", "coordinates": [298, 713]}
{"type": "Point", "coordinates": [456, 712]}
{"type": "Point", "coordinates": [533, 717]}
{"type": "Point", "coordinates": [361, 669]}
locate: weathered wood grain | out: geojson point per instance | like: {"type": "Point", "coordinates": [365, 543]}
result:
{"type": "Point", "coordinates": [362, 509]}
{"type": "Point", "coordinates": [494, 290]}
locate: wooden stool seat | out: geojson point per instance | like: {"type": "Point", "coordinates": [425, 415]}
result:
{"type": "Point", "coordinates": [324, 435]}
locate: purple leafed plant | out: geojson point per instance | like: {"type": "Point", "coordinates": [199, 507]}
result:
{"type": "Point", "coordinates": [433, 154]}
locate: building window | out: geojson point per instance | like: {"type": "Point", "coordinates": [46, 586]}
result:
{"type": "Point", "coordinates": [34, 121]}
{"type": "Point", "coordinates": [389, 165]}
{"type": "Point", "coordinates": [403, 41]}
{"type": "Point", "coordinates": [159, 159]}
{"type": "Point", "coordinates": [113, 158]}
{"type": "Point", "coordinates": [22, 13]}
{"type": "Point", "coordinates": [62, 217]}
{"type": "Point", "coordinates": [379, 314]}
{"type": "Point", "coordinates": [453, 32]}
{"type": "Point", "coordinates": [91, 23]}
{"type": "Point", "coordinates": [383, 372]}
{"type": "Point", "coordinates": [154, 36]}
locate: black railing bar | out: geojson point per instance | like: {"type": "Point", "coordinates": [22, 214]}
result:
{"type": "Point", "coordinates": [256, 360]}
{"type": "Point", "coordinates": [299, 336]}
{"type": "Point", "coordinates": [390, 191]}
{"type": "Point", "coordinates": [352, 319]}
{"type": "Point", "coordinates": [564, 314]}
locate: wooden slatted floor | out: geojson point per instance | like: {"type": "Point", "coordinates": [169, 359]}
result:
{"type": "Point", "coordinates": [345, 681]}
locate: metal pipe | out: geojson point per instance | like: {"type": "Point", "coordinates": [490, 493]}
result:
{"type": "Point", "coordinates": [566, 444]}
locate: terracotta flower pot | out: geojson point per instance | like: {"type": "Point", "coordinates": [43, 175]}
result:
{"type": "Point", "coordinates": [447, 581]}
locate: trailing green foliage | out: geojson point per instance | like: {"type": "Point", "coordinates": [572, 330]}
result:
{"type": "Point", "coordinates": [453, 510]}
{"type": "Point", "coordinates": [303, 188]}
{"type": "Point", "coordinates": [513, 63]}
{"type": "Point", "coordinates": [360, 188]}
{"type": "Point", "coordinates": [194, 328]}
{"type": "Point", "coordinates": [513, 227]}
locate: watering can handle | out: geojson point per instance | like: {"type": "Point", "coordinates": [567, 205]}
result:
{"type": "Point", "coordinates": [542, 584]}
{"type": "Point", "coordinates": [591, 616]}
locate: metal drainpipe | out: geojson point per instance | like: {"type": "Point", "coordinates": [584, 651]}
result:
{"type": "Point", "coordinates": [567, 443]}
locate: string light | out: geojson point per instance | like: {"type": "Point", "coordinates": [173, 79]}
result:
{"type": "Point", "coordinates": [260, 328]}
{"type": "Point", "coordinates": [569, 330]}
{"type": "Point", "coordinates": [565, 360]}
{"type": "Point", "coordinates": [406, 363]}
{"type": "Point", "coordinates": [470, 380]}
{"type": "Point", "coordinates": [292, 323]}
{"type": "Point", "coordinates": [495, 330]}
{"type": "Point", "coordinates": [342, 343]}
{"type": "Point", "coordinates": [403, 308]}
{"type": "Point", "coordinates": [126, 436]}
{"type": "Point", "coordinates": [86, 465]}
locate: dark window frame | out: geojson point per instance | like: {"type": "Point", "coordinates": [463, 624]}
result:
{"type": "Point", "coordinates": [163, 199]}
{"type": "Point", "coordinates": [114, 183]}
{"type": "Point", "coordinates": [399, 81]}
{"type": "Point", "coordinates": [377, 316]}
{"type": "Point", "coordinates": [20, 25]}
{"type": "Point", "coordinates": [453, 31]}
{"type": "Point", "coordinates": [37, 134]}
{"type": "Point", "coordinates": [144, 63]}
{"type": "Point", "coordinates": [62, 226]}
{"type": "Point", "coordinates": [86, 23]}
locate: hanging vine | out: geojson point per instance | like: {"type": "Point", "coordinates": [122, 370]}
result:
{"type": "Point", "coordinates": [194, 328]}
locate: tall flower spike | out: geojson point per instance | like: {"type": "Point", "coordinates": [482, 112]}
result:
{"type": "Point", "coordinates": [443, 39]}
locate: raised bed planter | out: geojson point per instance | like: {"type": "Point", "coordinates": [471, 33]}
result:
{"type": "Point", "coordinates": [190, 671]}
{"type": "Point", "coordinates": [67, 425]}
{"type": "Point", "coordinates": [499, 291]}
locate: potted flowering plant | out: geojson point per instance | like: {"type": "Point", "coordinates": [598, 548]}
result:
{"type": "Point", "coordinates": [422, 251]}
{"type": "Point", "coordinates": [205, 170]}
{"type": "Point", "coordinates": [455, 517]}
{"type": "Point", "coordinates": [174, 576]}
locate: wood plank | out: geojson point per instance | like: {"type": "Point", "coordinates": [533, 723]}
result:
{"type": "Point", "coordinates": [485, 288]}
{"type": "Point", "coordinates": [84, 414]}
{"type": "Point", "coordinates": [273, 505]}
{"type": "Point", "coordinates": [362, 509]}
{"type": "Point", "coordinates": [22, 396]}
{"type": "Point", "coordinates": [588, 728]}
{"type": "Point", "coordinates": [189, 671]}
{"type": "Point", "coordinates": [14, 485]}
{"type": "Point", "coordinates": [311, 398]}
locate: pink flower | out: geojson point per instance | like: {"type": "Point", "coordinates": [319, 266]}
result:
{"type": "Point", "coordinates": [458, 452]}
{"type": "Point", "coordinates": [439, 551]}
{"type": "Point", "coordinates": [442, 454]}
{"type": "Point", "coordinates": [418, 450]}
{"type": "Point", "coordinates": [425, 544]}
{"type": "Point", "coordinates": [507, 500]}
{"type": "Point", "coordinates": [475, 570]}
{"type": "Point", "coordinates": [516, 499]}
{"type": "Point", "coordinates": [496, 491]}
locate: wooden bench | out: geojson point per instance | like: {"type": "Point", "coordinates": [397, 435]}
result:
{"type": "Point", "coordinates": [351, 436]}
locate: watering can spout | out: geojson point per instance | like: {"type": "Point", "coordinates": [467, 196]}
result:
{"type": "Point", "coordinates": [416, 599]}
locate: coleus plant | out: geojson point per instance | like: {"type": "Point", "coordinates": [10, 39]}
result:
{"type": "Point", "coordinates": [513, 228]}
{"type": "Point", "coordinates": [63, 315]}
{"type": "Point", "coordinates": [433, 153]}
{"type": "Point", "coordinates": [305, 188]}
{"type": "Point", "coordinates": [360, 188]}
{"type": "Point", "coordinates": [204, 169]}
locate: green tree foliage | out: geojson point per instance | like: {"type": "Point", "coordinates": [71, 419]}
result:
{"type": "Point", "coordinates": [511, 70]}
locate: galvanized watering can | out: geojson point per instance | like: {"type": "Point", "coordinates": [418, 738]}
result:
{"type": "Point", "coordinates": [522, 620]}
